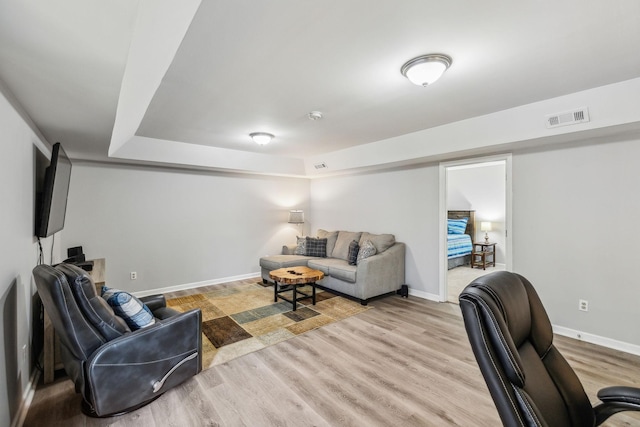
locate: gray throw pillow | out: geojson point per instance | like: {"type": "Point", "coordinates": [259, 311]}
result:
{"type": "Point", "coordinates": [301, 248]}
{"type": "Point", "coordinates": [353, 252]}
{"type": "Point", "coordinates": [341, 250]}
{"type": "Point", "coordinates": [366, 250]}
{"type": "Point", "coordinates": [316, 247]}
{"type": "Point", "coordinates": [331, 237]}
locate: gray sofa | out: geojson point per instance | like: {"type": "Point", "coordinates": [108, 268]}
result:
{"type": "Point", "coordinates": [373, 276]}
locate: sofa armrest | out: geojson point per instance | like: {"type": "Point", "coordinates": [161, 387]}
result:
{"type": "Point", "coordinates": [289, 249]}
{"type": "Point", "coordinates": [383, 272]}
{"type": "Point", "coordinates": [140, 365]}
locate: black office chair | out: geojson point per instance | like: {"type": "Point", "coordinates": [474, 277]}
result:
{"type": "Point", "coordinates": [115, 369]}
{"type": "Point", "coordinates": [530, 382]}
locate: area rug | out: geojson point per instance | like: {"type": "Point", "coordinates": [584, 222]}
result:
{"type": "Point", "coordinates": [240, 319]}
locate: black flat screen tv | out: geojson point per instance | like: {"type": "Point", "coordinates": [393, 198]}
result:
{"type": "Point", "coordinates": [53, 201]}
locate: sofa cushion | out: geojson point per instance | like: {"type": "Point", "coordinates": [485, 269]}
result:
{"type": "Point", "coordinates": [354, 247]}
{"type": "Point", "coordinates": [316, 247]}
{"type": "Point", "coordinates": [335, 267]}
{"type": "Point", "coordinates": [274, 262]}
{"type": "Point", "coordinates": [366, 250]}
{"type": "Point", "coordinates": [382, 242]}
{"type": "Point", "coordinates": [341, 250]}
{"type": "Point", "coordinates": [331, 237]}
{"type": "Point", "coordinates": [321, 264]}
{"type": "Point", "coordinates": [301, 248]}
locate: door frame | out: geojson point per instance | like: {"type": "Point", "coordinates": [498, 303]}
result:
{"type": "Point", "coordinates": [443, 213]}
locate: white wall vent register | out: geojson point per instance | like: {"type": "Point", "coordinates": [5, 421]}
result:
{"type": "Point", "coordinates": [573, 117]}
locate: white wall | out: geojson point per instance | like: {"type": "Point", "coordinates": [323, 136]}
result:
{"type": "Point", "coordinates": [573, 231]}
{"type": "Point", "coordinates": [575, 235]}
{"type": "Point", "coordinates": [482, 189]}
{"type": "Point", "coordinates": [403, 203]}
{"type": "Point", "coordinates": [177, 227]}
{"type": "Point", "coordinates": [18, 256]}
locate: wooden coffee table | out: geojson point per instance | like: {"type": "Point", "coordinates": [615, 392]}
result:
{"type": "Point", "coordinates": [290, 278]}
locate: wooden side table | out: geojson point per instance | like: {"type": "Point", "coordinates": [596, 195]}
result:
{"type": "Point", "coordinates": [483, 255]}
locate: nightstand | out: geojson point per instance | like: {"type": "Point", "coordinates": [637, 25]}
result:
{"type": "Point", "coordinates": [483, 255]}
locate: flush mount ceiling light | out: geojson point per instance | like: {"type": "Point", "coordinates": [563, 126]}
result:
{"type": "Point", "coordinates": [261, 138]}
{"type": "Point", "coordinates": [426, 69]}
{"type": "Point", "coordinates": [314, 115]}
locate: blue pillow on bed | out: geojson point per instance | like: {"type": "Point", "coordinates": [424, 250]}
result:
{"type": "Point", "coordinates": [456, 226]}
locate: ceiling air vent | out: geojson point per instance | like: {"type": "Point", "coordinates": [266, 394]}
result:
{"type": "Point", "coordinates": [321, 165]}
{"type": "Point", "coordinates": [574, 117]}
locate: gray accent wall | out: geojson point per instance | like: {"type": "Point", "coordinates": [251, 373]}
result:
{"type": "Point", "coordinates": [575, 236]}
{"type": "Point", "coordinates": [178, 227]}
{"type": "Point", "coordinates": [401, 202]}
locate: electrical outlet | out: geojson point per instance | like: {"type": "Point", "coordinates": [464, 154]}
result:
{"type": "Point", "coordinates": [134, 275]}
{"type": "Point", "coordinates": [583, 305]}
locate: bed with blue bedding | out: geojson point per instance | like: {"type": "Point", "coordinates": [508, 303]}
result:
{"type": "Point", "coordinates": [460, 229]}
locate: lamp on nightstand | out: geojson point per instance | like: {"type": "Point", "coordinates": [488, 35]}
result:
{"type": "Point", "coordinates": [485, 226]}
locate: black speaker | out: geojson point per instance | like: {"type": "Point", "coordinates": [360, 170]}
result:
{"type": "Point", "coordinates": [75, 259]}
{"type": "Point", "coordinates": [404, 291]}
{"type": "Point", "coordinates": [75, 251]}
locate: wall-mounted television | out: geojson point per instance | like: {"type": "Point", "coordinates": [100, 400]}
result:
{"type": "Point", "coordinates": [53, 200]}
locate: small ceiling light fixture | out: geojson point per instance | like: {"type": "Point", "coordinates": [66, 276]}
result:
{"type": "Point", "coordinates": [314, 115]}
{"type": "Point", "coordinates": [261, 138]}
{"type": "Point", "coordinates": [426, 69]}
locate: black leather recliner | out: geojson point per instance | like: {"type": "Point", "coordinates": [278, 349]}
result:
{"type": "Point", "coordinates": [530, 382]}
{"type": "Point", "coordinates": [117, 370]}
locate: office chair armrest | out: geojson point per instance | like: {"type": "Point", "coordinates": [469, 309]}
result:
{"type": "Point", "coordinates": [616, 399]}
{"type": "Point", "coordinates": [154, 302]}
{"type": "Point", "coordinates": [620, 394]}
{"type": "Point", "coordinates": [137, 367]}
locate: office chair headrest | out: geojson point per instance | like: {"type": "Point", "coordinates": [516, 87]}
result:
{"type": "Point", "coordinates": [507, 302]}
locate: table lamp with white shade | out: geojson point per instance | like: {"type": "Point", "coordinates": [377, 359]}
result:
{"type": "Point", "coordinates": [485, 226]}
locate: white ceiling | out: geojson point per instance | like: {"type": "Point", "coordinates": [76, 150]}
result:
{"type": "Point", "coordinates": [157, 79]}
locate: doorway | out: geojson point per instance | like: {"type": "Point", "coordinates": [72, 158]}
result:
{"type": "Point", "coordinates": [482, 187]}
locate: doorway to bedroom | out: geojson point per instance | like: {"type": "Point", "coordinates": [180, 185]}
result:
{"type": "Point", "coordinates": [475, 206]}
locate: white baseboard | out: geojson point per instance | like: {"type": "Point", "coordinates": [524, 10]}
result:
{"type": "Point", "coordinates": [424, 295]}
{"type": "Point", "coordinates": [596, 339]}
{"type": "Point", "coordinates": [561, 330]}
{"type": "Point", "coordinates": [195, 285]}
{"type": "Point", "coordinates": [27, 398]}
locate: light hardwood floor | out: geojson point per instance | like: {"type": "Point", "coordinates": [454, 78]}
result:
{"type": "Point", "coordinates": [406, 362]}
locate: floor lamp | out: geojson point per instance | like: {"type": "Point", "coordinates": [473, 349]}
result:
{"type": "Point", "coordinates": [297, 217]}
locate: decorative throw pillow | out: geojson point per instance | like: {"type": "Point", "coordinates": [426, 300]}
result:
{"type": "Point", "coordinates": [131, 309]}
{"type": "Point", "coordinates": [457, 226]}
{"type": "Point", "coordinates": [341, 250]}
{"type": "Point", "coordinates": [353, 252]}
{"type": "Point", "coordinates": [382, 242]}
{"type": "Point", "coordinates": [316, 247]}
{"type": "Point", "coordinates": [366, 250]}
{"type": "Point", "coordinates": [301, 249]}
{"type": "Point", "coordinates": [331, 237]}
